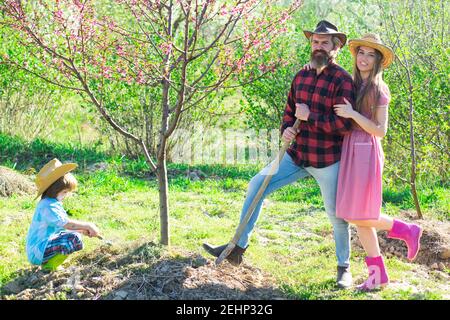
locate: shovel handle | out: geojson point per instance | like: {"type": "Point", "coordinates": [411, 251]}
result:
{"type": "Point", "coordinates": [225, 253]}
{"type": "Point", "coordinates": [256, 199]}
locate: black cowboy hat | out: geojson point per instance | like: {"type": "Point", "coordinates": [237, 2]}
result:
{"type": "Point", "coordinates": [325, 27]}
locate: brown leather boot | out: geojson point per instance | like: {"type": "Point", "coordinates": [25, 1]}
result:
{"type": "Point", "coordinates": [235, 257]}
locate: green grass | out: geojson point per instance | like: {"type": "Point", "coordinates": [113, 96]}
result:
{"type": "Point", "coordinates": [20, 154]}
{"type": "Point", "coordinates": [435, 199]}
{"type": "Point", "coordinates": [293, 239]}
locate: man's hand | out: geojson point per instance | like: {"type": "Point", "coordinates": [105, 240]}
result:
{"type": "Point", "coordinates": [289, 134]}
{"type": "Point", "coordinates": [302, 111]}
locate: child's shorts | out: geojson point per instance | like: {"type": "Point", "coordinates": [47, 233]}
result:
{"type": "Point", "coordinates": [64, 243]}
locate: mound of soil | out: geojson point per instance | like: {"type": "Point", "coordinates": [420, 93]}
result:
{"type": "Point", "coordinates": [12, 182]}
{"type": "Point", "coordinates": [142, 272]}
{"type": "Point", "coordinates": [434, 245]}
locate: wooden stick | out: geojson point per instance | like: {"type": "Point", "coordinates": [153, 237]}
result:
{"type": "Point", "coordinates": [249, 213]}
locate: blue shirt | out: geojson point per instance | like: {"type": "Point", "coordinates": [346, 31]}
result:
{"type": "Point", "coordinates": [48, 220]}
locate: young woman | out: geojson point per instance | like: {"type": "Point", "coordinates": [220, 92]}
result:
{"type": "Point", "coordinates": [359, 191]}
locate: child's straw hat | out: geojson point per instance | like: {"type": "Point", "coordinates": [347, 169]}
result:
{"type": "Point", "coordinates": [51, 172]}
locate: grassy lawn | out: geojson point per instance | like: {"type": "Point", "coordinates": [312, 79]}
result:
{"type": "Point", "coordinates": [292, 241]}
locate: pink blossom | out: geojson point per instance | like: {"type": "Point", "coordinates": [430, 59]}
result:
{"type": "Point", "coordinates": [58, 15]}
{"type": "Point", "coordinates": [246, 36]}
{"type": "Point", "coordinates": [223, 10]}
{"type": "Point", "coordinates": [240, 64]}
{"type": "Point", "coordinates": [120, 51]}
{"type": "Point", "coordinates": [106, 71]}
{"type": "Point", "coordinates": [111, 25]}
{"type": "Point", "coordinates": [78, 4]}
{"type": "Point", "coordinates": [74, 37]}
{"type": "Point", "coordinates": [166, 48]}
{"type": "Point", "coordinates": [284, 18]}
{"type": "Point", "coordinates": [140, 77]}
{"type": "Point", "coordinates": [122, 72]}
{"type": "Point", "coordinates": [236, 11]}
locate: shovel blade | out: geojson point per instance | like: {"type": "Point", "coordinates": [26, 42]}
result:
{"type": "Point", "coordinates": [225, 253]}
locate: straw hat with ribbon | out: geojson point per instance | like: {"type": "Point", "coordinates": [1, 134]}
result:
{"type": "Point", "coordinates": [51, 172]}
{"type": "Point", "coordinates": [327, 28]}
{"type": "Point", "coordinates": [372, 40]}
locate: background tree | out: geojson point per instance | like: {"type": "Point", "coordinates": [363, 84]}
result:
{"type": "Point", "coordinates": [419, 35]}
{"type": "Point", "coordinates": [27, 105]}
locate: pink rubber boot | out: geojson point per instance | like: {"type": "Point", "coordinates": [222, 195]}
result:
{"type": "Point", "coordinates": [378, 276]}
{"type": "Point", "coordinates": [410, 233]}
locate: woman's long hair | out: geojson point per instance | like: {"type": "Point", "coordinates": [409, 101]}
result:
{"type": "Point", "coordinates": [368, 95]}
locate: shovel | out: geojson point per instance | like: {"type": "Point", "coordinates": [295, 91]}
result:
{"type": "Point", "coordinates": [105, 241]}
{"type": "Point", "coordinates": [251, 208]}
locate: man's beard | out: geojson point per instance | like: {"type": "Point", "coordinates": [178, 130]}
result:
{"type": "Point", "coordinates": [320, 58]}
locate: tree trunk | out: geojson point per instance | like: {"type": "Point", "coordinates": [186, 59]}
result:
{"type": "Point", "coordinates": [163, 183]}
{"type": "Point", "coordinates": [162, 169]}
{"type": "Point", "coordinates": [163, 201]}
{"type": "Point", "coordinates": [412, 181]}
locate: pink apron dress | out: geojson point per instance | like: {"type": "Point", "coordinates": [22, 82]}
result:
{"type": "Point", "coordinates": [359, 189]}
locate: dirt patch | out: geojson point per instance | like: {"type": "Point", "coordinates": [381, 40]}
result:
{"type": "Point", "coordinates": [141, 272]}
{"type": "Point", "coordinates": [434, 245]}
{"type": "Point", "coordinates": [12, 182]}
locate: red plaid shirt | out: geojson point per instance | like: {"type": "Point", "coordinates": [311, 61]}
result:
{"type": "Point", "coordinates": [319, 142]}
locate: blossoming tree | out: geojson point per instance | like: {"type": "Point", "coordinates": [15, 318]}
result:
{"type": "Point", "coordinates": [183, 49]}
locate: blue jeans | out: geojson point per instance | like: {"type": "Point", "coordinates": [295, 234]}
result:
{"type": "Point", "coordinates": [289, 172]}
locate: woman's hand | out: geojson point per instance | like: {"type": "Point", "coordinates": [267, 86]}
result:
{"type": "Point", "coordinates": [344, 110]}
{"type": "Point", "coordinates": [307, 66]}
{"type": "Point", "coordinates": [302, 111]}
